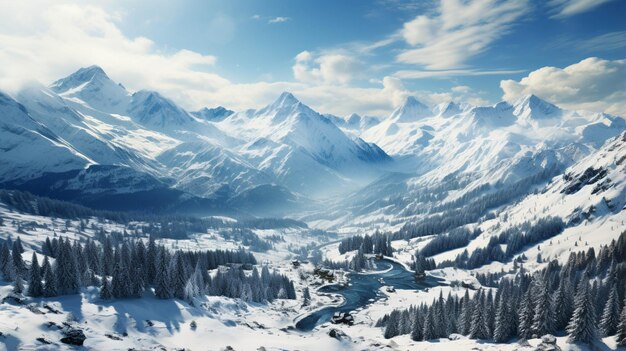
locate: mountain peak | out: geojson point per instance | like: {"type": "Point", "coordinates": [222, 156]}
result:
{"type": "Point", "coordinates": [533, 107]}
{"type": "Point", "coordinates": [151, 108]}
{"type": "Point", "coordinates": [80, 77]}
{"type": "Point", "coordinates": [411, 111]}
{"type": "Point", "coordinates": [286, 99]}
{"type": "Point", "coordinates": [447, 109]}
{"type": "Point", "coordinates": [215, 114]}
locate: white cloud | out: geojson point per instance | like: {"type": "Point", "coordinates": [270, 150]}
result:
{"type": "Point", "coordinates": [44, 41]}
{"type": "Point", "coordinates": [279, 19]}
{"type": "Point", "coordinates": [328, 68]}
{"type": "Point", "coordinates": [458, 31]}
{"type": "Point", "coordinates": [567, 8]}
{"type": "Point", "coordinates": [592, 84]}
{"type": "Point", "coordinates": [417, 74]}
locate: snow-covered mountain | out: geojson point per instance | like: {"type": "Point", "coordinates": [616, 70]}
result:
{"type": "Point", "coordinates": [292, 150]}
{"type": "Point", "coordinates": [456, 150]}
{"type": "Point", "coordinates": [303, 149]}
{"type": "Point", "coordinates": [88, 119]}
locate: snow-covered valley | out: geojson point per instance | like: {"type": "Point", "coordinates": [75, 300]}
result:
{"type": "Point", "coordinates": [163, 228]}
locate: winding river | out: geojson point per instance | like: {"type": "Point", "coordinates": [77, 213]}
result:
{"type": "Point", "coordinates": [364, 289]}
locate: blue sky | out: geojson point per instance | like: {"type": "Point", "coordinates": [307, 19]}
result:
{"type": "Point", "coordinates": [338, 56]}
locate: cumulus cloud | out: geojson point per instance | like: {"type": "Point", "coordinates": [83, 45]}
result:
{"type": "Point", "coordinates": [567, 8]}
{"type": "Point", "coordinates": [328, 68]}
{"type": "Point", "coordinates": [592, 84]}
{"type": "Point", "coordinates": [45, 41]}
{"type": "Point", "coordinates": [457, 31]}
{"type": "Point", "coordinates": [68, 37]}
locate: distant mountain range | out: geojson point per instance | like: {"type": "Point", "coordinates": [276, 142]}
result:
{"type": "Point", "coordinates": [88, 139]}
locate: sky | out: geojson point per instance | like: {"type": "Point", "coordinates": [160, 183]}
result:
{"type": "Point", "coordinates": [338, 57]}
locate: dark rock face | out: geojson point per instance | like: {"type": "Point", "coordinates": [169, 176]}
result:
{"type": "Point", "coordinates": [74, 337]}
{"type": "Point", "coordinates": [590, 176]}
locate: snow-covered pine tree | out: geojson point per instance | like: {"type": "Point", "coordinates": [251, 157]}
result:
{"type": "Point", "coordinates": [151, 256]}
{"type": "Point", "coordinates": [525, 316]}
{"type": "Point", "coordinates": [611, 313]}
{"type": "Point", "coordinates": [16, 253]}
{"type": "Point", "coordinates": [465, 318]}
{"type": "Point", "coordinates": [105, 290]}
{"type": "Point", "coordinates": [178, 276]}
{"type": "Point", "coordinates": [563, 304]}
{"type": "Point", "coordinates": [582, 326]}
{"type": "Point", "coordinates": [543, 319]}
{"type": "Point", "coordinates": [479, 328]}
{"type": "Point", "coordinates": [66, 271]}
{"type": "Point", "coordinates": [50, 281]}
{"type": "Point", "coordinates": [35, 287]}
{"type": "Point", "coordinates": [429, 331]}
{"type": "Point", "coordinates": [18, 285]}
{"type": "Point", "coordinates": [417, 332]}
{"type": "Point", "coordinates": [393, 322]}
{"type": "Point", "coordinates": [5, 258]}
{"type": "Point", "coordinates": [503, 327]}
{"type": "Point", "coordinates": [162, 288]}
{"type": "Point", "coordinates": [620, 337]}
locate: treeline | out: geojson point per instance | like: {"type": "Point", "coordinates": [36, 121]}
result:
{"type": "Point", "coordinates": [269, 223]}
{"type": "Point", "coordinates": [376, 243]}
{"type": "Point", "coordinates": [515, 238]}
{"type": "Point", "coordinates": [471, 211]}
{"type": "Point", "coordinates": [161, 226]}
{"type": "Point", "coordinates": [246, 237]}
{"type": "Point", "coordinates": [128, 269]}
{"type": "Point", "coordinates": [458, 237]}
{"type": "Point", "coordinates": [583, 298]}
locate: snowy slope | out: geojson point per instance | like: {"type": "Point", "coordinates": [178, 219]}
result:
{"type": "Point", "coordinates": [28, 148]}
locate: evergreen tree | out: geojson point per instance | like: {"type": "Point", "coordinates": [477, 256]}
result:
{"type": "Point", "coordinates": [417, 332]}
{"type": "Point", "coordinates": [392, 327]}
{"type": "Point", "coordinates": [18, 285]}
{"type": "Point", "coordinates": [620, 337]}
{"type": "Point", "coordinates": [525, 314]}
{"type": "Point", "coordinates": [562, 304]}
{"type": "Point", "coordinates": [106, 291]}
{"type": "Point", "coordinates": [35, 287]}
{"type": "Point", "coordinates": [66, 271]}
{"type": "Point", "coordinates": [178, 276]}
{"type": "Point", "coordinates": [5, 258]}
{"type": "Point", "coordinates": [465, 318]}
{"type": "Point", "coordinates": [503, 327]}
{"type": "Point", "coordinates": [50, 282]}
{"type": "Point", "coordinates": [151, 256]}
{"type": "Point", "coordinates": [162, 285]}
{"type": "Point", "coordinates": [479, 328]}
{"type": "Point", "coordinates": [610, 314]}
{"type": "Point", "coordinates": [582, 326]}
{"type": "Point", "coordinates": [16, 253]}
{"type": "Point", "coordinates": [429, 331]}
{"type": "Point", "coordinates": [543, 319]}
